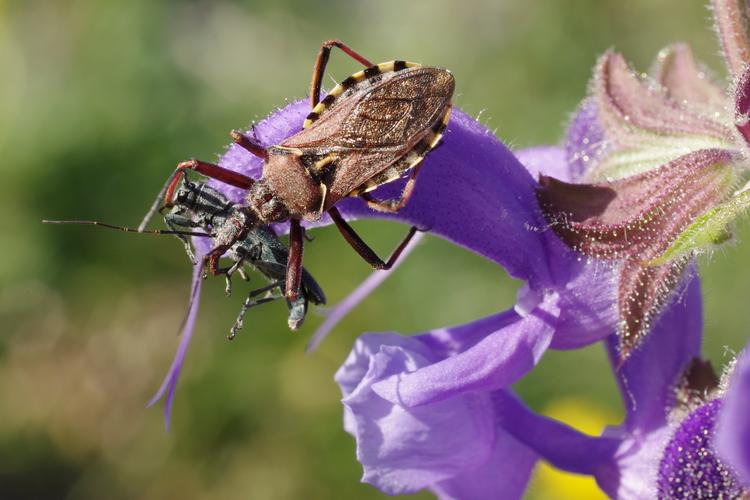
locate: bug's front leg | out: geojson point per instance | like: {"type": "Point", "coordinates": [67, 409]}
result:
{"type": "Point", "coordinates": [362, 248]}
{"type": "Point", "coordinates": [322, 60]}
{"type": "Point", "coordinates": [294, 262]}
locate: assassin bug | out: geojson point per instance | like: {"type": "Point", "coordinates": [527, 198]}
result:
{"type": "Point", "coordinates": [370, 129]}
{"type": "Point", "coordinates": [197, 205]}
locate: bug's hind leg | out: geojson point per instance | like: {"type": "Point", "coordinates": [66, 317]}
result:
{"type": "Point", "coordinates": [363, 249]}
{"type": "Point", "coordinates": [393, 206]}
{"type": "Point", "coordinates": [322, 60]}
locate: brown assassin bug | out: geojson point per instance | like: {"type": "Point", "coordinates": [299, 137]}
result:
{"type": "Point", "coordinates": [369, 130]}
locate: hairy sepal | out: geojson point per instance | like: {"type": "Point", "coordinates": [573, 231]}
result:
{"type": "Point", "coordinates": [635, 220]}
{"type": "Point", "coordinates": [645, 124]}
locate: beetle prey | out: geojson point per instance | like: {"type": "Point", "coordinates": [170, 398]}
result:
{"type": "Point", "coordinates": [369, 130]}
{"type": "Point", "coordinates": [197, 205]}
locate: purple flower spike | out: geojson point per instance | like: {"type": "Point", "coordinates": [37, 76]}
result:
{"type": "Point", "coordinates": [733, 434]}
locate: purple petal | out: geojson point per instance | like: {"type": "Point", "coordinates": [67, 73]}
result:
{"type": "Point", "coordinates": [555, 442]}
{"type": "Point", "coordinates": [632, 474]}
{"type": "Point", "coordinates": [732, 440]}
{"type": "Point", "coordinates": [358, 295]}
{"type": "Point", "coordinates": [504, 475]}
{"type": "Point", "coordinates": [649, 376]}
{"type": "Point", "coordinates": [496, 361]}
{"type": "Point", "coordinates": [588, 298]}
{"type": "Point", "coordinates": [472, 191]}
{"type": "Point", "coordinates": [453, 447]}
{"type": "Point", "coordinates": [170, 381]}
{"type": "Point", "coordinates": [547, 160]}
{"type": "Point", "coordinates": [584, 142]}
{"type": "Point", "coordinates": [405, 450]}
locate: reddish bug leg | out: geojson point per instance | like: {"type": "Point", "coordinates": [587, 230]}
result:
{"type": "Point", "coordinates": [362, 248]}
{"type": "Point", "coordinates": [294, 262]}
{"type": "Point", "coordinates": [208, 169]}
{"type": "Point", "coordinates": [216, 172]}
{"type": "Point", "coordinates": [249, 144]}
{"type": "Point", "coordinates": [393, 206]}
{"type": "Point", "coordinates": [322, 61]}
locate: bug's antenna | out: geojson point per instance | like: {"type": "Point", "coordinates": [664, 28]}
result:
{"type": "Point", "coordinates": [157, 202]}
{"type": "Point", "coordinates": [123, 228]}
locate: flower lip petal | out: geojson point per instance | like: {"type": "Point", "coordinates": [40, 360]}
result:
{"type": "Point", "coordinates": [494, 362]}
{"type": "Point", "coordinates": [403, 450]}
{"type": "Point", "coordinates": [471, 191]}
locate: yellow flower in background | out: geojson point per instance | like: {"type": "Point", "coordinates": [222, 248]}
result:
{"type": "Point", "coordinates": [549, 483]}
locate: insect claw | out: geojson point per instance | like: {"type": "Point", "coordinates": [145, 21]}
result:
{"type": "Point", "coordinates": [234, 330]}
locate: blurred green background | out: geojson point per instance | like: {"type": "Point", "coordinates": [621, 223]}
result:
{"type": "Point", "coordinates": [100, 99]}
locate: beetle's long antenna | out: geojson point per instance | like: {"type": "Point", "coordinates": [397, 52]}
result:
{"type": "Point", "coordinates": [157, 202]}
{"type": "Point", "coordinates": [124, 228]}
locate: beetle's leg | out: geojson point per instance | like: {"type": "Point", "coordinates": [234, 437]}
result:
{"type": "Point", "coordinates": [362, 248]}
{"type": "Point", "coordinates": [294, 261]}
{"type": "Point", "coordinates": [393, 206]}
{"type": "Point", "coordinates": [243, 274]}
{"type": "Point", "coordinates": [322, 60]}
{"type": "Point", "coordinates": [229, 272]}
{"type": "Point", "coordinates": [250, 303]}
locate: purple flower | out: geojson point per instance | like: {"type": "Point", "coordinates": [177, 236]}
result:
{"type": "Point", "coordinates": [676, 410]}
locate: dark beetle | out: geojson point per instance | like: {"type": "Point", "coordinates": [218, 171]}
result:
{"type": "Point", "coordinates": [369, 130]}
{"type": "Point", "coordinates": [197, 205]}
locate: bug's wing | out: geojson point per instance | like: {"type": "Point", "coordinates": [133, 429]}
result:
{"type": "Point", "coordinates": [389, 116]}
{"type": "Point", "coordinates": [354, 168]}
